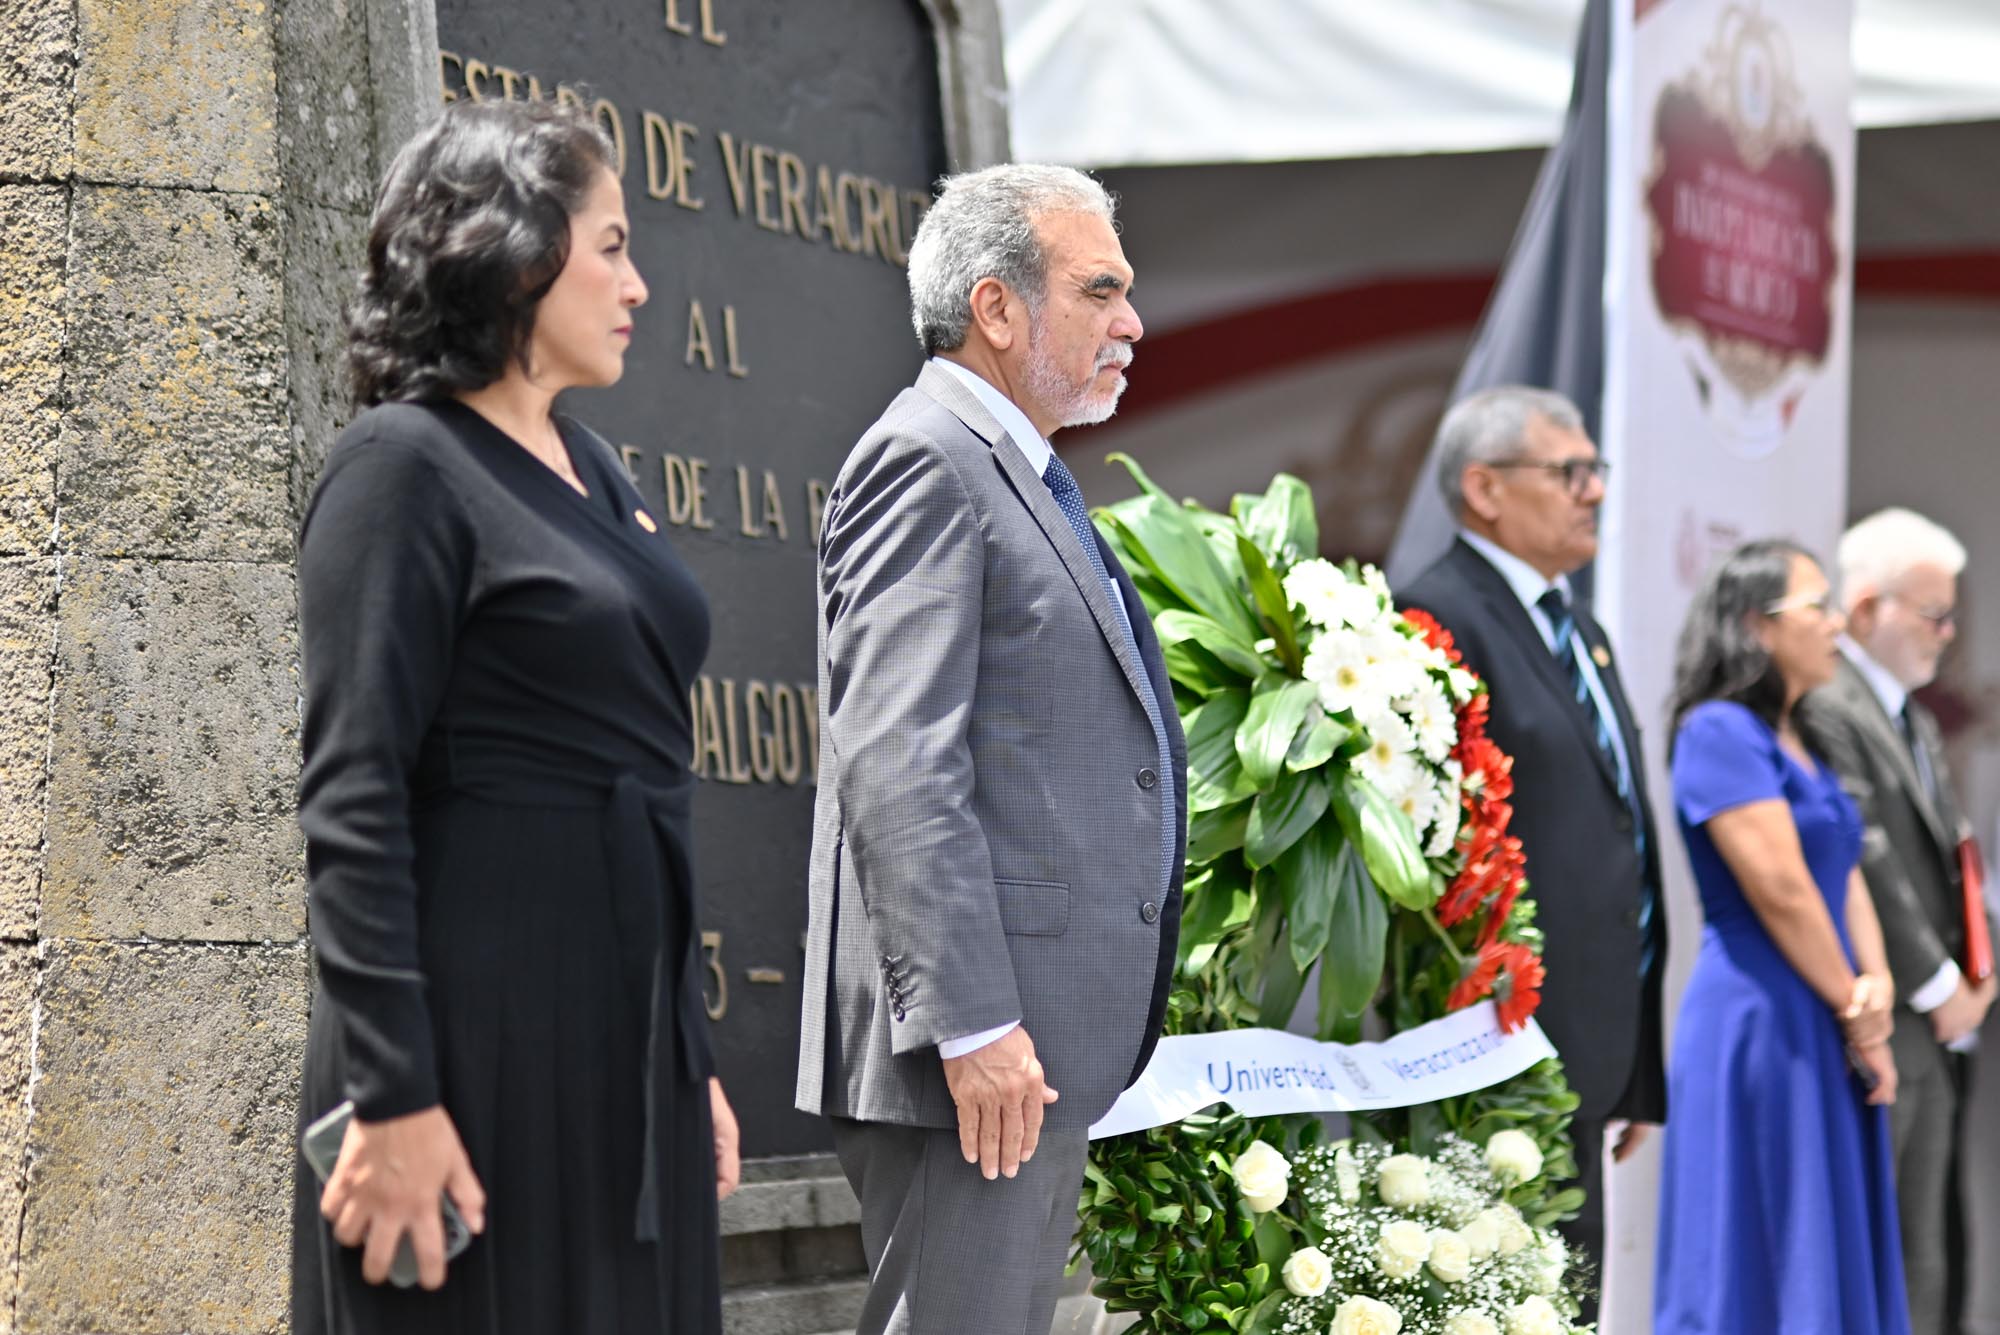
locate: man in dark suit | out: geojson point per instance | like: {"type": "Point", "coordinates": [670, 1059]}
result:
{"type": "Point", "coordinates": [1899, 587]}
{"type": "Point", "coordinates": [997, 846]}
{"type": "Point", "coordinates": [1525, 482]}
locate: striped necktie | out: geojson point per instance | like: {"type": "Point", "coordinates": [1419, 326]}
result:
{"type": "Point", "coordinates": [1566, 650]}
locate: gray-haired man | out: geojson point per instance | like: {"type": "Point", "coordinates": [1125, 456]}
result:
{"type": "Point", "coordinates": [997, 845]}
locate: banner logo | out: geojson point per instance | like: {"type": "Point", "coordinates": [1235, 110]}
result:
{"type": "Point", "coordinates": [1741, 201]}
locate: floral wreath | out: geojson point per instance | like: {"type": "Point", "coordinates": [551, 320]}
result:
{"type": "Point", "coordinates": [1348, 820]}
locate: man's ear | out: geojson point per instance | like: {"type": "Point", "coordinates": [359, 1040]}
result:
{"type": "Point", "coordinates": [992, 307]}
{"type": "Point", "coordinates": [1479, 484]}
{"type": "Point", "coordinates": [1864, 614]}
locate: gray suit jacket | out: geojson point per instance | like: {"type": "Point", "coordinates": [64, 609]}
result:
{"type": "Point", "coordinates": [986, 841]}
{"type": "Point", "coordinates": [1909, 853]}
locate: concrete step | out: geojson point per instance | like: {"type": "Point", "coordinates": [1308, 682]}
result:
{"type": "Point", "coordinates": [793, 1309]}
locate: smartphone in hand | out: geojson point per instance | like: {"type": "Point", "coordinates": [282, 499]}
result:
{"type": "Point", "coordinates": [321, 1146]}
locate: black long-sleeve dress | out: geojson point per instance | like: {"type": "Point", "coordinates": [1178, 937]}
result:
{"type": "Point", "coordinates": [495, 802]}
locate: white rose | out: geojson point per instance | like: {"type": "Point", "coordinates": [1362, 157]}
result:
{"type": "Point", "coordinates": [1365, 1316]}
{"type": "Point", "coordinates": [1548, 1274]}
{"type": "Point", "coordinates": [1263, 1176]}
{"type": "Point", "coordinates": [1404, 1181]}
{"type": "Point", "coordinates": [1470, 1323]}
{"type": "Point", "coordinates": [1482, 1235]}
{"type": "Point", "coordinates": [1534, 1316]}
{"type": "Point", "coordinates": [1510, 1232]}
{"type": "Point", "coordinates": [1451, 1256]}
{"type": "Point", "coordinates": [1403, 1248]}
{"type": "Point", "coordinates": [1346, 1177]}
{"type": "Point", "coordinates": [1307, 1272]}
{"type": "Point", "coordinates": [1514, 1156]}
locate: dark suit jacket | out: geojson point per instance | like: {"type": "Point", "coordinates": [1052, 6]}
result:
{"type": "Point", "coordinates": [988, 832]}
{"type": "Point", "coordinates": [1909, 852]}
{"type": "Point", "coordinates": [1584, 872]}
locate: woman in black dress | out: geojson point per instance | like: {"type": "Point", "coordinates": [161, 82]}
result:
{"type": "Point", "coordinates": [498, 643]}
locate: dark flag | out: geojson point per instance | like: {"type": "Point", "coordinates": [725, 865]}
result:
{"type": "Point", "coordinates": [1544, 324]}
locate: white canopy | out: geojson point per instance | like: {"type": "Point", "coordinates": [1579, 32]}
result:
{"type": "Point", "coordinates": [1157, 82]}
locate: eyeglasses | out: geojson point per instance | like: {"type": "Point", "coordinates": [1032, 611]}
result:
{"type": "Point", "coordinates": [1940, 621]}
{"type": "Point", "coordinates": [1821, 603]}
{"type": "Point", "coordinates": [1576, 473]}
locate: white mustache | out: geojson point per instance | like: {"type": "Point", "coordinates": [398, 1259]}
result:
{"type": "Point", "coordinates": [1118, 355]}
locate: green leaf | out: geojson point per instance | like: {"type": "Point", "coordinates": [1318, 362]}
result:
{"type": "Point", "coordinates": [1213, 833]}
{"type": "Point", "coordinates": [1351, 969]}
{"type": "Point", "coordinates": [1280, 816]}
{"type": "Point", "coordinates": [1198, 670]}
{"type": "Point", "coordinates": [1388, 843]}
{"type": "Point", "coordinates": [1305, 875]}
{"type": "Point", "coordinates": [1167, 541]}
{"type": "Point", "coordinates": [1316, 742]}
{"type": "Point", "coordinates": [1215, 773]}
{"type": "Point", "coordinates": [1277, 707]}
{"type": "Point", "coordinates": [1282, 521]}
{"type": "Point", "coordinates": [1217, 902]}
{"type": "Point", "coordinates": [1283, 982]}
{"type": "Point", "coordinates": [1271, 601]}
{"type": "Point", "coordinates": [1268, 1315]}
{"type": "Point", "coordinates": [1165, 1214]}
{"type": "Point", "coordinates": [1232, 652]}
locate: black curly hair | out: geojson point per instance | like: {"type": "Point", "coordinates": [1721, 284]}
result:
{"type": "Point", "coordinates": [470, 230]}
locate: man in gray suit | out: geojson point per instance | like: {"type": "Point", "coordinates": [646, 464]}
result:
{"type": "Point", "coordinates": [1899, 584]}
{"type": "Point", "coordinates": [997, 844]}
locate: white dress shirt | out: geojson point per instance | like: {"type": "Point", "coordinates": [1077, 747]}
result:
{"type": "Point", "coordinates": [1529, 584]}
{"type": "Point", "coordinates": [1939, 988]}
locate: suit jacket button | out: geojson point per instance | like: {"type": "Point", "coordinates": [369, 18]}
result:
{"type": "Point", "coordinates": [898, 1011]}
{"type": "Point", "coordinates": [1148, 779]}
{"type": "Point", "coordinates": [1149, 911]}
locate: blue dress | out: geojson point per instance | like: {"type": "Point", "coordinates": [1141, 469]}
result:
{"type": "Point", "coordinates": [1777, 1206]}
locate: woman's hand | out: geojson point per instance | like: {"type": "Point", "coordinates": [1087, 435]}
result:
{"type": "Point", "coordinates": [1870, 1013]}
{"type": "Point", "coordinates": [728, 1158]}
{"type": "Point", "coordinates": [1880, 1063]}
{"type": "Point", "coordinates": [386, 1183]}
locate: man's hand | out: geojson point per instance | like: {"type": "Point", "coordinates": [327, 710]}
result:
{"type": "Point", "coordinates": [386, 1184]}
{"type": "Point", "coordinates": [1963, 1011]}
{"type": "Point", "coordinates": [1628, 1140]}
{"type": "Point", "coordinates": [1000, 1096]}
{"type": "Point", "coordinates": [1870, 1015]}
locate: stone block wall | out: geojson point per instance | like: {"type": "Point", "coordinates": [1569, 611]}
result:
{"type": "Point", "coordinates": [184, 188]}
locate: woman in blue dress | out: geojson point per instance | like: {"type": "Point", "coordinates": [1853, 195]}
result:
{"type": "Point", "coordinates": [1777, 1208]}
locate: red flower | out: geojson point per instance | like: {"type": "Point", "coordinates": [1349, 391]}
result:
{"type": "Point", "coordinates": [1519, 988]}
{"type": "Point", "coordinates": [1510, 973]}
{"type": "Point", "coordinates": [1472, 718]}
{"type": "Point", "coordinates": [1435, 635]}
{"type": "Point", "coordinates": [1489, 771]}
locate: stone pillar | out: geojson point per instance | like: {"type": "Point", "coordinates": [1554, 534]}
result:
{"type": "Point", "coordinates": [183, 190]}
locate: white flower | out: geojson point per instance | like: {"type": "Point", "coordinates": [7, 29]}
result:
{"type": "Point", "coordinates": [1402, 1248]}
{"type": "Point", "coordinates": [1431, 719]}
{"type": "Point", "coordinates": [1390, 762]}
{"type": "Point", "coordinates": [1451, 1256]}
{"type": "Point", "coordinates": [1307, 1272]}
{"type": "Point", "coordinates": [1338, 664]}
{"type": "Point", "coordinates": [1460, 683]}
{"type": "Point", "coordinates": [1534, 1316]}
{"type": "Point", "coordinates": [1365, 1316]}
{"type": "Point", "coordinates": [1329, 598]}
{"type": "Point", "coordinates": [1403, 1181]}
{"type": "Point", "coordinates": [1374, 581]}
{"type": "Point", "coordinates": [1554, 1259]}
{"type": "Point", "coordinates": [1513, 1231]}
{"type": "Point", "coordinates": [1346, 1177]}
{"type": "Point", "coordinates": [1514, 1156]}
{"type": "Point", "coordinates": [1418, 802]}
{"type": "Point", "coordinates": [1398, 657]}
{"type": "Point", "coordinates": [1482, 1235]}
{"type": "Point", "coordinates": [1447, 813]}
{"type": "Point", "coordinates": [1470, 1323]}
{"type": "Point", "coordinates": [1263, 1176]}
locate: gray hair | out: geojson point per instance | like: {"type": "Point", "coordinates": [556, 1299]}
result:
{"type": "Point", "coordinates": [1492, 425]}
{"type": "Point", "coordinates": [1879, 550]}
{"type": "Point", "coordinates": [983, 226]}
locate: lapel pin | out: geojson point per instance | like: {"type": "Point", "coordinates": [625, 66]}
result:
{"type": "Point", "coordinates": [645, 521]}
{"type": "Point", "coordinates": [1600, 656]}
